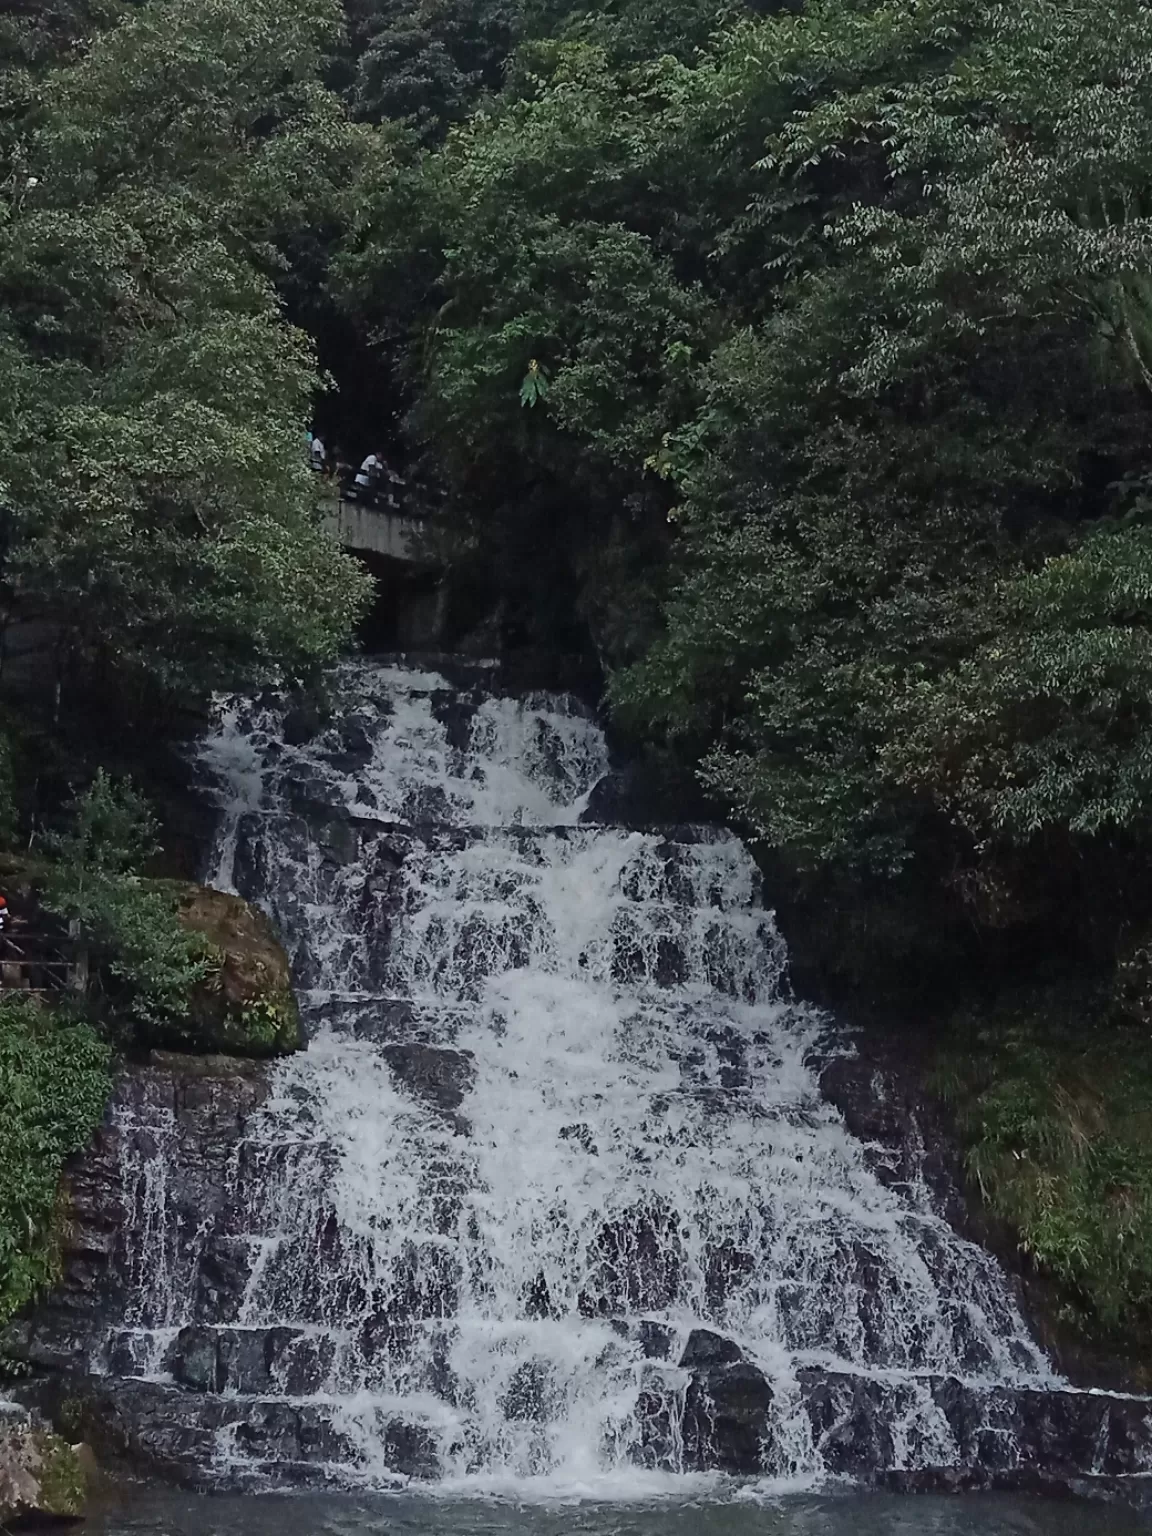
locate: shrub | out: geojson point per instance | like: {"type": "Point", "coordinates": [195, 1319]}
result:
{"type": "Point", "coordinates": [152, 962]}
{"type": "Point", "coordinates": [54, 1083]}
{"type": "Point", "coordinates": [1052, 1092]}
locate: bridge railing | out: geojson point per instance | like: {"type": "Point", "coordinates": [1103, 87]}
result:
{"type": "Point", "coordinates": [373, 525]}
{"type": "Point", "coordinates": [42, 963]}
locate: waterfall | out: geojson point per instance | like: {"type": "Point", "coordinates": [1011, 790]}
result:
{"type": "Point", "coordinates": [555, 1159]}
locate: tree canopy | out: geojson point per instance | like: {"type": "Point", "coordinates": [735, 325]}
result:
{"type": "Point", "coordinates": [806, 350]}
{"type": "Point", "coordinates": [820, 341]}
{"type": "Point", "coordinates": [155, 499]}
{"type": "Point", "coordinates": [791, 357]}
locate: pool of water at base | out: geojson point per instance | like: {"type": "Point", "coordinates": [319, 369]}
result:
{"type": "Point", "coordinates": [167, 1513]}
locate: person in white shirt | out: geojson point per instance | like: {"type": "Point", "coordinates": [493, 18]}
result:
{"type": "Point", "coordinates": [318, 454]}
{"type": "Point", "coordinates": [370, 471]}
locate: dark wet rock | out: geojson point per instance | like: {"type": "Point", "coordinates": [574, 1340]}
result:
{"type": "Point", "coordinates": [998, 1433]}
{"type": "Point", "coordinates": [726, 1418]}
{"type": "Point", "coordinates": [187, 1116]}
{"type": "Point", "coordinates": [249, 1361]}
{"type": "Point", "coordinates": [705, 1350]}
{"type": "Point", "coordinates": [728, 1269]}
{"type": "Point", "coordinates": [440, 1076]}
{"type": "Point", "coordinates": [410, 1449]}
{"type": "Point", "coordinates": [659, 1412]}
{"type": "Point", "coordinates": [1069, 1432]}
{"type": "Point", "coordinates": [647, 794]}
{"type": "Point", "coordinates": [339, 843]}
{"type": "Point", "coordinates": [955, 1434]}
{"type": "Point", "coordinates": [193, 1360]}
{"type": "Point", "coordinates": [655, 1339]}
{"type": "Point", "coordinates": [849, 1423]}
{"type": "Point", "coordinates": [638, 1266]}
{"type": "Point", "coordinates": [222, 1278]}
{"type": "Point", "coordinates": [879, 1089]}
{"type": "Point", "coordinates": [304, 722]}
{"type": "Point", "coordinates": [357, 735]}
{"type": "Point", "coordinates": [175, 1432]}
{"type": "Point", "coordinates": [1002, 1439]}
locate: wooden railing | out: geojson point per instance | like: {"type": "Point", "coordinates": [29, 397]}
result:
{"type": "Point", "coordinates": [42, 963]}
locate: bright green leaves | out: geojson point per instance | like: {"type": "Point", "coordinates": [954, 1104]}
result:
{"type": "Point", "coordinates": [54, 1083]}
{"type": "Point", "coordinates": [139, 949]}
{"type": "Point", "coordinates": [1054, 1108]}
{"type": "Point", "coordinates": [535, 385]}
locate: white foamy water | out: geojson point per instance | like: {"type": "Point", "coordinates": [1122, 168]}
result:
{"type": "Point", "coordinates": [557, 1113]}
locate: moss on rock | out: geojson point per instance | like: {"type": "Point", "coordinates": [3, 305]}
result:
{"type": "Point", "coordinates": [244, 1005]}
{"type": "Point", "coordinates": [42, 1477]}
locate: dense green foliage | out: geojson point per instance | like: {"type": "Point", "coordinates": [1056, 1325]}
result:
{"type": "Point", "coordinates": [1053, 1092]}
{"type": "Point", "coordinates": [902, 609]}
{"type": "Point", "coordinates": [170, 964]}
{"type": "Point", "coordinates": [141, 952]}
{"type": "Point", "coordinates": [791, 357]}
{"type": "Point", "coordinates": [153, 400]}
{"type": "Point", "coordinates": [858, 299]}
{"type": "Point", "coordinates": [53, 1087]}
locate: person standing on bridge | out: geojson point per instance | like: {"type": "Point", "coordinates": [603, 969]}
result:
{"type": "Point", "coordinates": [376, 479]}
{"type": "Point", "coordinates": [369, 474]}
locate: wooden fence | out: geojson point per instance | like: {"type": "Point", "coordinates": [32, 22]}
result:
{"type": "Point", "coordinates": [42, 963]}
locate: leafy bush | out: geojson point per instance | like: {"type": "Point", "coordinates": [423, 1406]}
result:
{"type": "Point", "coordinates": [156, 501]}
{"type": "Point", "coordinates": [152, 961]}
{"type": "Point", "coordinates": [53, 1087]}
{"type": "Point", "coordinates": [1053, 1096]}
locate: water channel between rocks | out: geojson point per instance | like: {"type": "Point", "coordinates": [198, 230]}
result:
{"type": "Point", "coordinates": [552, 1204]}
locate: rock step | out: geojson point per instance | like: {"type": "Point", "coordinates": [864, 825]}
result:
{"type": "Point", "coordinates": [915, 1432]}
{"type": "Point", "coordinates": [674, 839]}
{"type": "Point", "coordinates": [211, 1441]}
{"type": "Point", "coordinates": [386, 1019]}
{"type": "Point", "coordinates": [868, 1426]}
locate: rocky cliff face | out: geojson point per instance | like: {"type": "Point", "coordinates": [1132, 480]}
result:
{"type": "Point", "coordinates": [272, 1270]}
{"type": "Point", "coordinates": [172, 1141]}
{"type": "Point", "coordinates": [168, 1142]}
{"type": "Point", "coordinates": [43, 1479]}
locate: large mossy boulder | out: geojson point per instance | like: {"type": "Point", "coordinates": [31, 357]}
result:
{"type": "Point", "coordinates": [244, 1006]}
{"type": "Point", "coordinates": [42, 1478]}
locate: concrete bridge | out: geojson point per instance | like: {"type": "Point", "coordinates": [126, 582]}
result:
{"type": "Point", "coordinates": [376, 531]}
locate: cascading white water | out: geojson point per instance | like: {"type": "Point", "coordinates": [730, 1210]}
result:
{"type": "Point", "coordinates": [557, 1112]}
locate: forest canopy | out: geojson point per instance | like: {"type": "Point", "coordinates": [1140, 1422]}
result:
{"type": "Point", "coordinates": [790, 358]}
{"type": "Point", "coordinates": [156, 161]}
{"type": "Point", "coordinates": [815, 344]}
{"type": "Point", "coordinates": [802, 354]}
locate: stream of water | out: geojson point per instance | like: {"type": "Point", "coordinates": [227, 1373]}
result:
{"type": "Point", "coordinates": [552, 1203]}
